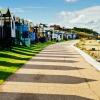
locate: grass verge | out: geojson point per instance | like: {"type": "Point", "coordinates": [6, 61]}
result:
{"type": "Point", "coordinates": [11, 61]}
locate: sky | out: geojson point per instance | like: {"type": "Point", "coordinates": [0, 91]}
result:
{"type": "Point", "coordinates": [68, 13]}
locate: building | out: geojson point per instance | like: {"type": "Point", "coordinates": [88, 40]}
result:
{"type": "Point", "coordinates": [40, 31]}
{"type": "Point", "coordinates": [7, 28]}
{"type": "Point", "coordinates": [22, 32]}
{"type": "Point", "coordinates": [25, 33]}
{"type": "Point", "coordinates": [32, 33]}
{"type": "Point", "coordinates": [57, 32]}
{"type": "Point", "coordinates": [70, 35]}
{"type": "Point", "coordinates": [18, 30]}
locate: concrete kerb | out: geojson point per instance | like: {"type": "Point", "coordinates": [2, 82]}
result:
{"type": "Point", "coordinates": [87, 57]}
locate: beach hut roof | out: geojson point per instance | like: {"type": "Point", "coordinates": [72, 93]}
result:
{"type": "Point", "coordinates": [5, 12]}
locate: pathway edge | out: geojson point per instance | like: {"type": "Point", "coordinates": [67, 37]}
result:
{"type": "Point", "coordinates": [87, 58]}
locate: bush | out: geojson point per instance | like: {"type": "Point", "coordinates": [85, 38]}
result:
{"type": "Point", "coordinates": [93, 49]}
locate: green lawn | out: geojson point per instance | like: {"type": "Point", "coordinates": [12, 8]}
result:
{"type": "Point", "coordinates": [11, 61]}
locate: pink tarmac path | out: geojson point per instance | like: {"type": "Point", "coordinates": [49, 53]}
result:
{"type": "Point", "coordinates": [58, 72]}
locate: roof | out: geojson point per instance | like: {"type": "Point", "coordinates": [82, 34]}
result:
{"type": "Point", "coordinates": [5, 11]}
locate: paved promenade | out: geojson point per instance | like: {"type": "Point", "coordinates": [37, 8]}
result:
{"type": "Point", "coordinates": [57, 73]}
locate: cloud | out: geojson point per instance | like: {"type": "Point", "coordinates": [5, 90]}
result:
{"type": "Point", "coordinates": [17, 10]}
{"type": "Point", "coordinates": [26, 9]}
{"type": "Point", "coordinates": [88, 17]}
{"type": "Point", "coordinates": [70, 1]}
{"type": "Point", "coordinates": [63, 13]}
{"type": "Point", "coordinates": [35, 7]}
{"type": "Point", "coordinates": [78, 19]}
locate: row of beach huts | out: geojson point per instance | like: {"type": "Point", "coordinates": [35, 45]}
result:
{"type": "Point", "coordinates": [17, 31]}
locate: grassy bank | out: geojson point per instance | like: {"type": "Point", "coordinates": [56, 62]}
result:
{"type": "Point", "coordinates": [11, 61]}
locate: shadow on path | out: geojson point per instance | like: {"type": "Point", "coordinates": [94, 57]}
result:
{"type": "Point", "coordinates": [51, 67]}
{"type": "Point", "coordinates": [40, 78]}
{"type": "Point", "coordinates": [64, 56]}
{"type": "Point", "coordinates": [23, 96]}
{"type": "Point", "coordinates": [52, 60]}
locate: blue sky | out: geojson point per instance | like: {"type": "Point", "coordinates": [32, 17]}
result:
{"type": "Point", "coordinates": [50, 11]}
{"type": "Point", "coordinates": [45, 10]}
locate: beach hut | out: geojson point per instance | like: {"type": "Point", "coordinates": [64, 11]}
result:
{"type": "Point", "coordinates": [7, 32]}
{"type": "Point", "coordinates": [22, 32]}
{"type": "Point", "coordinates": [41, 31]}
{"type": "Point", "coordinates": [71, 35]}
{"type": "Point", "coordinates": [32, 33]}
{"type": "Point", "coordinates": [25, 33]}
{"type": "Point", "coordinates": [18, 28]}
{"type": "Point", "coordinates": [57, 32]}
{"type": "Point", "coordinates": [36, 31]}
{"type": "Point", "coordinates": [46, 32]}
